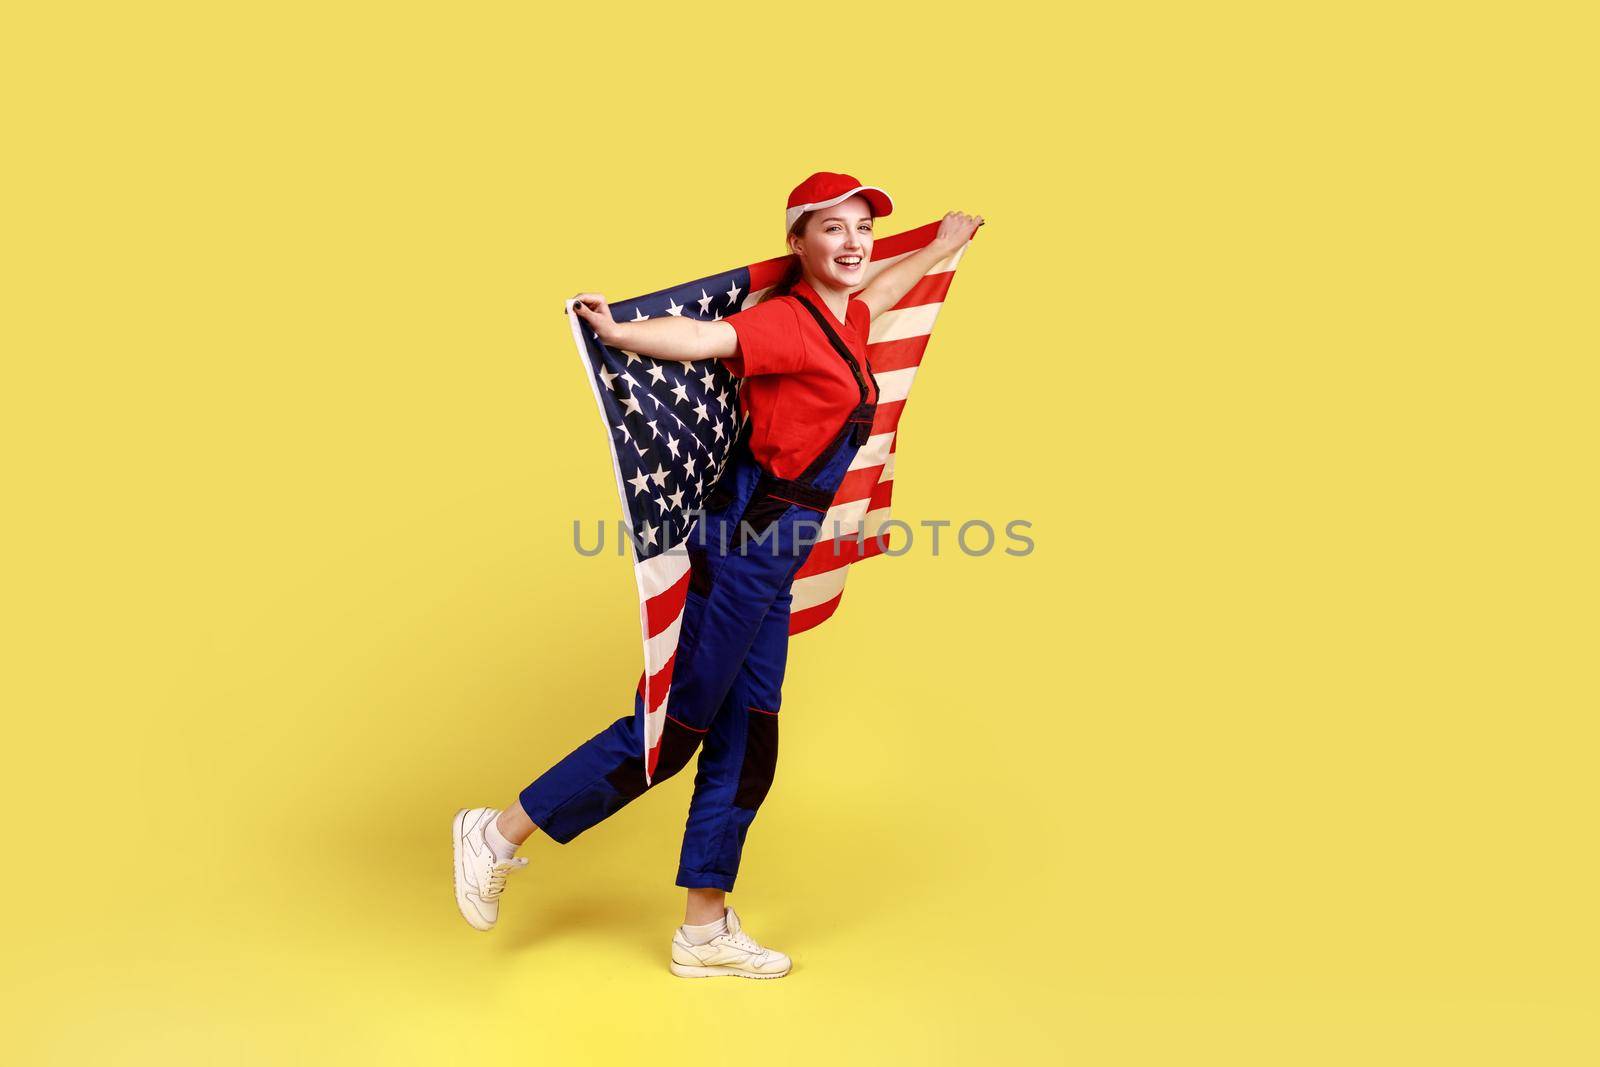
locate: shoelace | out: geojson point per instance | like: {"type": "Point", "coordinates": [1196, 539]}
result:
{"type": "Point", "coordinates": [744, 941]}
{"type": "Point", "coordinates": [495, 884]}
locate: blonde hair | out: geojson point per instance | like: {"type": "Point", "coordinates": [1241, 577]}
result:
{"type": "Point", "coordinates": [793, 273]}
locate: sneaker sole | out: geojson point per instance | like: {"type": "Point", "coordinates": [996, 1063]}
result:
{"type": "Point", "coordinates": [684, 971]}
{"type": "Point", "coordinates": [456, 826]}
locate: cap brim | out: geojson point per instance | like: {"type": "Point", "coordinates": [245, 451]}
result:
{"type": "Point", "coordinates": [877, 199]}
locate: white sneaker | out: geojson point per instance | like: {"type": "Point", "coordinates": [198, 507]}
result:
{"type": "Point", "coordinates": [480, 877]}
{"type": "Point", "coordinates": [732, 953]}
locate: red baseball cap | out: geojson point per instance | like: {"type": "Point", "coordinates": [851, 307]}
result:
{"type": "Point", "coordinates": [825, 189]}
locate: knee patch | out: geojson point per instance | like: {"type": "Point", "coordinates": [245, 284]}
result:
{"type": "Point", "coordinates": [760, 758]}
{"type": "Point", "coordinates": [678, 743]}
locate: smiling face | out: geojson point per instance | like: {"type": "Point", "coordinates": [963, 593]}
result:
{"type": "Point", "coordinates": [835, 245]}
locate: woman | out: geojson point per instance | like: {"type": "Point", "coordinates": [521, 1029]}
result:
{"type": "Point", "coordinates": [810, 396]}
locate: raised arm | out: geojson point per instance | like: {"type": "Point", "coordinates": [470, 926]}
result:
{"type": "Point", "coordinates": [893, 283]}
{"type": "Point", "coordinates": [675, 338]}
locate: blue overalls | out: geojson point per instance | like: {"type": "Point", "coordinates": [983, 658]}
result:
{"type": "Point", "coordinates": [728, 677]}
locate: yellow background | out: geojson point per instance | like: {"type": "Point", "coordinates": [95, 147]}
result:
{"type": "Point", "coordinates": [1277, 750]}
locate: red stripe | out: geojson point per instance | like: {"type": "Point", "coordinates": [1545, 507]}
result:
{"type": "Point", "coordinates": [661, 682]}
{"type": "Point", "coordinates": [801, 621]}
{"type": "Point", "coordinates": [888, 416]}
{"type": "Point", "coordinates": [866, 483]}
{"type": "Point", "coordinates": [765, 274]}
{"type": "Point", "coordinates": [909, 241]}
{"type": "Point", "coordinates": [897, 355]}
{"type": "Point", "coordinates": [881, 494]}
{"type": "Point", "coordinates": [830, 555]}
{"type": "Point", "coordinates": [665, 606]}
{"type": "Point", "coordinates": [930, 289]}
{"type": "Point", "coordinates": [858, 485]}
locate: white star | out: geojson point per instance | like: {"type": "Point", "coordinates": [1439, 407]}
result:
{"type": "Point", "coordinates": [607, 376]}
{"type": "Point", "coordinates": [623, 427]}
{"type": "Point", "coordinates": [639, 482]}
{"type": "Point", "coordinates": [705, 302]}
{"type": "Point", "coordinates": [653, 431]}
{"type": "Point", "coordinates": [633, 357]}
{"type": "Point", "coordinates": [708, 379]}
{"type": "Point", "coordinates": [631, 405]}
{"type": "Point", "coordinates": [659, 476]}
{"type": "Point", "coordinates": [677, 499]}
{"type": "Point", "coordinates": [700, 412]}
{"type": "Point", "coordinates": [674, 309]}
{"type": "Point", "coordinates": [681, 391]}
{"type": "Point", "coordinates": [688, 466]}
{"type": "Point", "coordinates": [716, 427]}
{"type": "Point", "coordinates": [717, 317]}
{"type": "Point", "coordinates": [630, 379]}
{"type": "Point", "coordinates": [638, 315]}
{"type": "Point", "coordinates": [733, 294]}
{"type": "Point", "coordinates": [647, 533]}
{"type": "Point", "coordinates": [637, 450]}
{"type": "Point", "coordinates": [672, 446]}
{"type": "Point", "coordinates": [722, 398]}
{"type": "Point", "coordinates": [656, 373]}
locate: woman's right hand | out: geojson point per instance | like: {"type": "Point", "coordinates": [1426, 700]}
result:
{"type": "Point", "coordinates": [592, 309]}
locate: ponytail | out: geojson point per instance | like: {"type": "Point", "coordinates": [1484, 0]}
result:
{"type": "Point", "coordinates": [792, 273]}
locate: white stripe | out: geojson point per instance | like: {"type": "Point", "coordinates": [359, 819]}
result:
{"type": "Point", "coordinates": [855, 521]}
{"type": "Point", "coordinates": [817, 589]}
{"type": "Point", "coordinates": [901, 323]}
{"type": "Point", "coordinates": [888, 469]}
{"type": "Point", "coordinates": [659, 573]}
{"type": "Point", "coordinates": [894, 384]}
{"type": "Point", "coordinates": [843, 520]}
{"type": "Point", "coordinates": [874, 523]}
{"type": "Point", "coordinates": [878, 266]}
{"type": "Point", "coordinates": [875, 451]}
{"type": "Point", "coordinates": [659, 649]}
{"type": "Point", "coordinates": [944, 266]}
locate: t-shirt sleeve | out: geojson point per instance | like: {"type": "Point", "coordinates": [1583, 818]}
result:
{"type": "Point", "coordinates": [859, 315]}
{"type": "Point", "coordinates": [769, 340]}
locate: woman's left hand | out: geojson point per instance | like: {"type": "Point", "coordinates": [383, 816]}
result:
{"type": "Point", "coordinates": [955, 230]}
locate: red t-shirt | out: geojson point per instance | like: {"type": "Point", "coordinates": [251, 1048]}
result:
{"type": "Point", "coordinates": [798, 390]}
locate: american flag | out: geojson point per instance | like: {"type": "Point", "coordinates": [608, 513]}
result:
{"type": "Point", "coordinates": [672, 425]}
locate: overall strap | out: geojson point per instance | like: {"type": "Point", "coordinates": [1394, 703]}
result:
{"type": "Point", "coordinates": [838, 345]}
